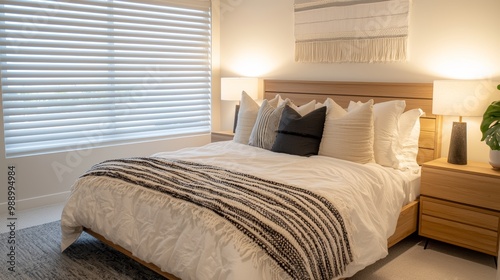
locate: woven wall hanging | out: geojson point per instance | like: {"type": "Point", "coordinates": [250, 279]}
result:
{"type": "Point", "coordinates": [329, 31]}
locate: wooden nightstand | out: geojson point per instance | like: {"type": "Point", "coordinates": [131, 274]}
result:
{"type": "Point", "coordinates": [460, 204]}
{"type": "Point", "coordinates": [222, 136]}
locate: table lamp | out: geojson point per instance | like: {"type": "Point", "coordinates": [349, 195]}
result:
{"type": "Point", "coordinates": [231, 89]}
{"type": "Point", "coordinates": [462, 98]}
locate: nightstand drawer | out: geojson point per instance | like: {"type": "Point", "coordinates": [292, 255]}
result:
{"type": "Point", "coordinates": [471, 237]}
{"type": "Point", "coordinates": [460, 213]}
{"type": "Point", "coordinates": [471, 189]}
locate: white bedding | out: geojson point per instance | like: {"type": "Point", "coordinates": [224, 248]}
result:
{"type": "Point", "coordinates": [368, 196]}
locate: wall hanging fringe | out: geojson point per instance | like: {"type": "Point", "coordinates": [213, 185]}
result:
{"type": "Point", "coordinates": [329, 31]}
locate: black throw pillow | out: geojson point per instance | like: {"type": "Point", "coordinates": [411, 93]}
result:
{"type": "Point", "coordinates": [300, 135]}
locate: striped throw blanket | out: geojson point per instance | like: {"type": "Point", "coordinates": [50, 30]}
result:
{"type": "Point", "coordinates": [300, 230]}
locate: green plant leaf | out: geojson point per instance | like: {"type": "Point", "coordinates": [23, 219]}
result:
{"type": "Point", "coordinates": [490, 126]}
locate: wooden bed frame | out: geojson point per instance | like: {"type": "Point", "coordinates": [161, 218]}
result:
{"type": "Point", "coordinates": [416, 95]}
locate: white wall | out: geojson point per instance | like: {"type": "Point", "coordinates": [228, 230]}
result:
{"type": "Point", "coordinates": [449, 39]}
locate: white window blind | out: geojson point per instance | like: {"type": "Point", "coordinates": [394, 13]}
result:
{"type": "Point", "coordinates": [78, 74]}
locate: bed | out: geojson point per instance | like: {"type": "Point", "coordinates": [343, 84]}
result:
{"type": "Point", "coordinates": [374, 206]}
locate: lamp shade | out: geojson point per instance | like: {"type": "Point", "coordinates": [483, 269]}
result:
{"type": "Point", "coordinates": [231, 88]}
{"type": "Point", "coordinates": [465, 98]}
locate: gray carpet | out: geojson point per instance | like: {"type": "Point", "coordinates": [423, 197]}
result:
{"type": "Point", "coordinates": [38, 256]}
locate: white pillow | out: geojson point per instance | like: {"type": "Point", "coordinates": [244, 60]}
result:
{"type": "Point", "coordinates": [305, 108]}
{"type": "Point", "coordinates": [247, 116]}
{"type": "Point", "coordinates": [386, 132]}
{"type": "Point", "coordinates": [409, 133]}
{"type": "Point", "coordinates": [264, 131]}
{"type": "Point", "coordinates": [331, 106]}
{"type": "Point", "coordinates": [348, 135]}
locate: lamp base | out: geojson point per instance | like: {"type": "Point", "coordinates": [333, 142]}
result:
{"type": "Point", "coordinates": [236, 112]}
{"type": "Point", "coordinates": [458, 144]}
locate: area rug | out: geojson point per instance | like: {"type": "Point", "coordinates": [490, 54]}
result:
{"type": "Point", "coordinates": [38, 256]}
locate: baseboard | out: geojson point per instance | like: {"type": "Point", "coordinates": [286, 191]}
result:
{"type": "Point", "coordinates": [35, 202]}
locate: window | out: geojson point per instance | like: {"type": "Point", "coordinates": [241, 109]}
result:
{"type": "Point", "coordinates": [79, 74]}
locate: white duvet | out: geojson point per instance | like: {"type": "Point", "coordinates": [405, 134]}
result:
{"type": "Point", "coordinates": [368, 196]}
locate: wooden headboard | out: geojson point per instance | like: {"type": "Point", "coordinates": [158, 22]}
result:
{"type": "Point", "coordinates": [416, 95]}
